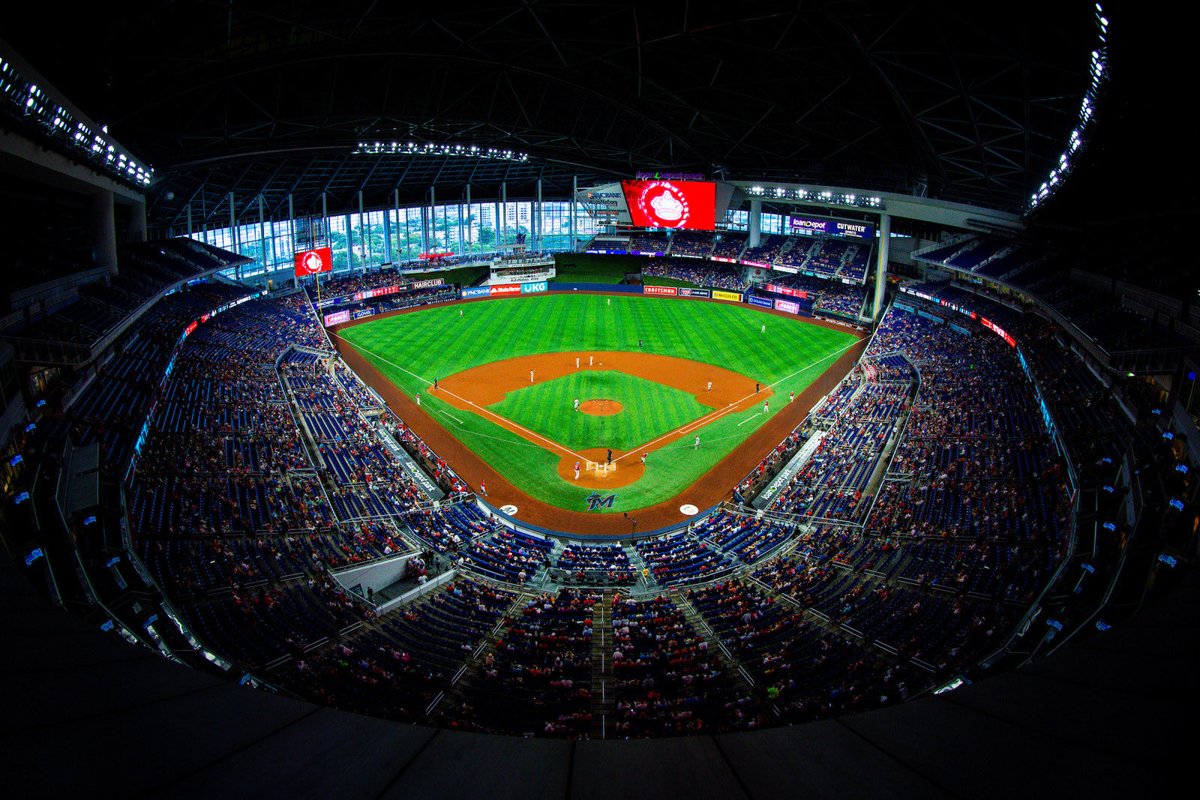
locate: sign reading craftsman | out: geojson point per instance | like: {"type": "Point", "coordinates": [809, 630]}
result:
{"type": "Point", "coordinates": [312, 262]}
{"type": "Point", "coordinates": [669, 291]}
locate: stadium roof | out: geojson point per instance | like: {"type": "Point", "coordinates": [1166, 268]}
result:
{"type": "Point", "coordinates": [936, 98]}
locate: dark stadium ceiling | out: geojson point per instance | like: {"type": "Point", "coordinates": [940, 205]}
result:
{"type": "Point", "coordinates": [936, 98]}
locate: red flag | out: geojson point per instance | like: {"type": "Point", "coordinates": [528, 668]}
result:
{"type": "Point", "coordinates": [311, 262]}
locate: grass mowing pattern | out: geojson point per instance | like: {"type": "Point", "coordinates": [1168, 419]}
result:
{"type": "Point", "coordinates": [649, 410]}
{"type": "Point", "coordinates": [412, 349]}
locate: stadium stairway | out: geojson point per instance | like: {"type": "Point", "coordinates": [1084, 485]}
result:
{"type": "Point", "coordinates": [603, 694]}
{"type": "Point", "coordinates": [738, 674]}
{"type": "Point", "coordinates": [455, 694]}
{"type": "Point", "coordinates": [645, 580]}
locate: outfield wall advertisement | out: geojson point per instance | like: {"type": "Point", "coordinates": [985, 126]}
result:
{"type": "Point", "coordinates": [733, 297]}
{"type": "Point", "coordinates": [761, 302]}
{"type": "Point", "coordinates": [667, 291]}
{"type": "Point", "coordinates": [504, 289]}
{"type": "Point", "coordinates": [788, 306]}
{"type": "Point", "coordinates": [686, 292]}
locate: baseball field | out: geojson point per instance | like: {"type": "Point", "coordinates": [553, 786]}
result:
{"type": "Point", "coordinates": [652, 377]}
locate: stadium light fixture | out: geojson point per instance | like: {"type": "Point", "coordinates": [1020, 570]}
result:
{"type": "Point", "coordinates": [28, 102]}
{"type": "Point", "coordinates": [439, 150]}
{"type": "Point", "coordinates": [1097, 70]}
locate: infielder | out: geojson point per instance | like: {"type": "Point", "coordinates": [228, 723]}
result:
{"type": "Point", "coordinates": [576, 470]}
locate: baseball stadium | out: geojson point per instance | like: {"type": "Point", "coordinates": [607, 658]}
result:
{"type": "Point", "coordinates": [555, 400]}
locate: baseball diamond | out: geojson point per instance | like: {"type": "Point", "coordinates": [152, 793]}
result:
{"type": "Point", "coordinates": [526, 437]}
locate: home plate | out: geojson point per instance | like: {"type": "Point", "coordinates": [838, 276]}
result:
{"type": "Point", "coordinates": [688, 509]}
{"type": "Point", "coordinates": [511, 510]}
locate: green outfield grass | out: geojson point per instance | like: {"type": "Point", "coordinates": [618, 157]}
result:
{"type": "Point", "coordinates": [649, 410]}
{"type": "Point", "coordinates": [412, 349]}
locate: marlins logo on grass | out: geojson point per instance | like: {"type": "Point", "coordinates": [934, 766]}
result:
{"type": "Point", "coordinates": [596, 500]}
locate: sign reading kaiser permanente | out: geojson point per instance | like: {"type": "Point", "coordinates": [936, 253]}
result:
{"type": "Point", "coordinates": [671, 204]}
{"type": "Point", "coordinates": [313, 262]}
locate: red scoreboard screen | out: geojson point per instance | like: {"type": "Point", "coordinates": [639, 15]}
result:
{"type": "Point", "coordinates": [671, 204]}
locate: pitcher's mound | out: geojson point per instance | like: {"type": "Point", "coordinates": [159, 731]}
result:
{"type": "Point", "coordinates": [600, 408]}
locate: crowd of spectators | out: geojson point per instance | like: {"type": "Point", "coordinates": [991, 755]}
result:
{"type": "Point", "coordinates": [261, 471]}
{"type": "Point", "coordinates": [666, 681]}
{"type": "Point", "coordinates": [538, 678]}
{"type": "Point", "coordinates": [715, 276]}
{"type": "Point", "coordinates": [828, 296]}
{"type": "Point", "coordinates": [605, 564]}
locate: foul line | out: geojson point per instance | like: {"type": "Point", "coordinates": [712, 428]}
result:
{"type": "Point", "coordinates": [747, 419]}
{"type": "Point", "coordinates": [479, 409]}
{"type": "Point", "coordinates": [451, 416]}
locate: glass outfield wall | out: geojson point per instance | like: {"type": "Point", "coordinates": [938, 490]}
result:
{"type": "Point", "coordinates": [394, 235]}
